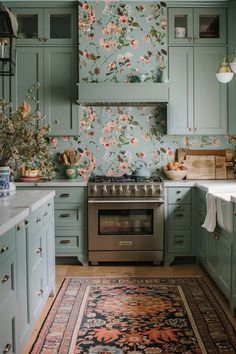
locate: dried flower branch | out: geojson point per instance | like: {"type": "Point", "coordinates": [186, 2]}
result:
{"type": "Point", "coordinates": [24, 137]}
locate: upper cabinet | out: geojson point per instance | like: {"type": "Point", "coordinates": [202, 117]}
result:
{"type": "Point", "coordinates": [197, 26]}
{"type": "Point", "coordinates": [52, 26]}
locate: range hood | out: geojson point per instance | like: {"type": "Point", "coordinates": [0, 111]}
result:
{"type": "Point", "coordinates": [114, 94]}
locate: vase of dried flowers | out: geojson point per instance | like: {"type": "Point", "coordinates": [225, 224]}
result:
{"type": "Point", "coordinates": [24, 136]}
{"type": "Point", "coordinates": [70, 159]}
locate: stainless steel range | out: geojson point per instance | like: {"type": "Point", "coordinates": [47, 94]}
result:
{"type": "Point", "coordinates": [125, 219]}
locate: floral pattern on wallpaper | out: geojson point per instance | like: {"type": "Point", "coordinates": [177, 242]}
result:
{"type": "Point", "coordinates": [114, 140]}
{"type": "Point", "coordinates": [122, 40]}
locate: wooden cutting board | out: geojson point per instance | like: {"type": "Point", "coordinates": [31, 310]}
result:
{"type": "Point", "coordinates": [200, 167]}
{"type": "Point", "coordinates": [207, 164]}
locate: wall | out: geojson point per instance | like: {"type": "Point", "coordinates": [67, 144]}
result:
{"type": "Point", "coordinates": [113, 140]}
{"type": "Point", "coordinates": [117, 41]}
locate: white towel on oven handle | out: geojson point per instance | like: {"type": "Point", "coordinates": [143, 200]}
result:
{"type": "Point", "coordinates": [210, 220]}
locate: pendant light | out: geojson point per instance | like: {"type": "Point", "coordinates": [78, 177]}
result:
{"type": "Point", "coordinates": [233, 63]}
{"type": "Point", "coordinates": [224, 73]}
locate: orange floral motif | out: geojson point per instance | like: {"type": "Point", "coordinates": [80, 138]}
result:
{"type": "Point", "coordinates": [107, 335]}
{"type": "Point", "coordinates": [158, 335]}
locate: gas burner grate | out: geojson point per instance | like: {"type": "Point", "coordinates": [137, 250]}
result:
{"type": "Point", "coordinates": [124, 179]}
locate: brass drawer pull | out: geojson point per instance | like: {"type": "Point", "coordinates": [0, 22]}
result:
{"type": "Point", "coordinates": [190, 39]}
{"type": "Point", "coordinates": [45, 213]}
{"type": "Point", "coordinates": [4, 249]}
{"type": "Point", "coordinates": [40, 292]}
{"type": "Point", "coordinates": [64, 215]}
{"type": "Point", "coordinates": [39, 250]}
{"type": "Point", "coordinates": [5, 278]}
{"type": "Point", "coordinates": [178, 199]}
{"type": "Point", "coordinates": [179, 241]}
{"type": "Point", "coordinates": [64, 241]}
{"type": "Point", "coordinates": [45, 39]}
{"type": "Point", "coordinates": [19, 227]}
{"type": "Point", "coordinates": [38, 220]}
{"type": "Point", "coordinates": [26, 222]}
{"type": "Point", "coordinates": [178, 192]}
{"type": "Point", "coordinates": [64, 195]}
{"type": "Point", "coordinates": [7, 348]}
{"type": "Point", "coordinates": [179, 215]}
{"type": "Point", "coordinates": [40, 39]}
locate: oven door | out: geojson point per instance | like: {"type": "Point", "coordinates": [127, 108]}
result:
{"type": "Point", "coordinates": [124, 225]}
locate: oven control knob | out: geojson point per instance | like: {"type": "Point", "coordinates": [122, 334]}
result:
{"type": "Point", "coordinates": [152, 190]}
{"type": "Point", "coordinates": [159, 190]}
{"type": "Point", "coordinates": [127, 190]}
{"type": "Point", "coordinates": [104, 190]}
{"type": "Point", "coordinates": [113, 189]}
{"type": "Point", "coordinates": [135, 190]}
{"type": "Point", "coordinates": [145, 190]}
{"type": "Point", "coordinates": [94, 190]}
{"type": "Point", "coordinates": [121, 189]}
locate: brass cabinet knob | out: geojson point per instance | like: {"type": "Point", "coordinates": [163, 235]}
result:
{"type": "Point", "coordinates": [190, 39]}
{"type": "Point", "coordinates": [4, 249]}
{"type": "Point", "coordinates": [7, 348]}
{"type": "Point", "coordinates": [190, 129]}
{"type": "Point", "coordinates": [40, 292]}
{"type": "Point", "coordinates": [195, 39]}
{"type": "Point", "coordinates": [5, 278]}
{"type": "Point", "coordinates": [39, 250]}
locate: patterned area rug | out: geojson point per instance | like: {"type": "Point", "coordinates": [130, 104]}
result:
{"type": "Point", "coordinates": [142, 315]}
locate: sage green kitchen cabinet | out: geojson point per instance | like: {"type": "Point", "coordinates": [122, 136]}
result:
{"type": "Point", "coordinates": [198, 102]}
{"type": "Point", "coordinates": [70, 210]}
{"type": "Point", "coordinates": [179, 222]}
{"type": "Point", "coordinates": [8, 292]}
{"type": "Point", "coordinates": [45, 26]}
{"type": "Point", "coordinates": [215, 251]}
{"type": "Point", "coordinates": [197, 26]}
{"type": "Point", "coordinates": [54, 68]}
{"type": "Point", "coordinates": [232, 83]}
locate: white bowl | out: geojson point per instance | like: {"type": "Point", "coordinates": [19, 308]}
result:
{"type": "Point", "coordinates": [175, 175]}
{"type": "Point", "coordinates": [180, 32]}
{"type": "Point", "coordinates": [32, 173]}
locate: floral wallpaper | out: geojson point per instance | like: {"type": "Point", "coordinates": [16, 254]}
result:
{"type": "Point", "coordinates": [121, 40]}
{"type": "Point", "coordinates": [114, 140]}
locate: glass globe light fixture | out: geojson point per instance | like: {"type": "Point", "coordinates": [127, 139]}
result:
{"type": "Point", "coordinates": [233, 63]}
{"type": "Point", "coordinates": [224, 73]}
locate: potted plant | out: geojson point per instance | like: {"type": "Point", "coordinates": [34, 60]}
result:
{"type": "Point", "coordinates": [24, 137]}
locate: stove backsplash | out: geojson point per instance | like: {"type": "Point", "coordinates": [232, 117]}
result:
{"type": "Point", "coordinates": [113, 140]}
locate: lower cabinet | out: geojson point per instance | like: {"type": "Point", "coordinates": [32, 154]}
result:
{"type": "Point", "coordinates": [216, 252]}
{"type": "Point", "coordinates": [179, 223]}
{"type": "Point", "coordinates": [70, 210]}
{"type": "Point", "coordinates": [27, 273]}
{"type": "Point", "coordinates": [8, 310]}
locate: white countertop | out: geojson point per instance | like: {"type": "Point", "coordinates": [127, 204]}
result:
{"type": "Point", "coordinates": [54, 183]}
{"type": "Point", "coordinates": [17, 206]}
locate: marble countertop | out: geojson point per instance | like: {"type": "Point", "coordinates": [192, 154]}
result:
{"type": "Point", "coordinates": [19, 204]}
{"type": "Point", "coordinates": [53, 183]}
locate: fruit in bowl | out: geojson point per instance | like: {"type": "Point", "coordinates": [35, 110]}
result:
{"type": "Point", "coordinates": [175, 170]}
{"type": "Point", "coordinates": [26, 171]}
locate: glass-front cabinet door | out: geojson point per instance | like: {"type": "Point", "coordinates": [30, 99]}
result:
{"type": "Point", "coordinates": [59, 26]}
{"type": "Point", "coordinates": [180, 26]}
{"type": "Point", "coordinates": [46, 26]}
{"type": "Point", "coordinates": [30, 25]}
{"type": "Point", "coordinates": [209, 26]}
{"type": "Point", "coordinates": [197, 26]}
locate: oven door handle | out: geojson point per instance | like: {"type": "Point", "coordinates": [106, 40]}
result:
{"type": "Point", "coordinates": [105, 201]}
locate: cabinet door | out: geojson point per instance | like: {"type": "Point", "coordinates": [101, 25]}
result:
{"type": "Point", "coordinates": [209, 26]}
{"type": "Point", "coordinates": [180, 26]}
{"type": "Point", "coordinates": [232, 83]}
{"type": "Point", "coordinates": [213, 255]}
{"type": "Point", "coordinates": [180, 120]}
{"type": "Point", "coordinates": [210, 97]}
{"type": "Point", "coordinates": [29, 70]}
{"type": "Point", "coordinates": [225, 258]}
{"type": "Point", "coordinates": [59, 26]}
{"type": "Point", "coordinates": [30, 25]}
{"type": "Point", "coordinates": [21, 278]}
{"type": "Point", "coordinates": [60, 90]}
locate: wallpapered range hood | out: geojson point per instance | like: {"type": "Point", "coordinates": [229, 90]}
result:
{"type": "Point", "coordinates": [120, 93]}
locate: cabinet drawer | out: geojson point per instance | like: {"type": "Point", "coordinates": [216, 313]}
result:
{"type": "Point", "coordinates": [179, 195]}
{"type": "Point", "coordinates": [7, 244]}
{"type": "Point", "coordinates": [70, 216]}
{"type": "Point", "coordinates": [70, 241]}
{"type": "Point", "coordinates": [37, 286]}
{"type": "Point", "coordinates": [7, 278]}
{"type": "Point", "coordinates": [69, 195]}
{"type": "Point", "coordinates": [8, 327]}
{"type": "Point", "coordinates": [179, 241]}
{"type": "Point", "coordinates": [179, 216]}
{"type": "Point", "coordinates": [37, 249]}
